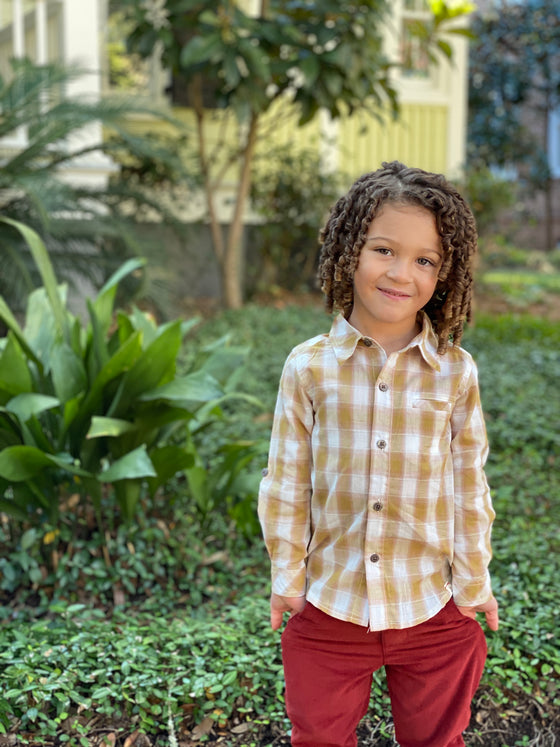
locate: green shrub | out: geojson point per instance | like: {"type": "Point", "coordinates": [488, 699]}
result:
{"type": "Point", "coordinates": [99, 410]}
{"type": "Point", "coordinates": [489, 196]}
{"type": "Point", "coordinates": [292, 193]}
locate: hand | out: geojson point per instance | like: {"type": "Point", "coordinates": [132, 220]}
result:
{"type": "Point", "coordinates": [490, 609]}
{"type": "Point", "coordinates": [279, 605]}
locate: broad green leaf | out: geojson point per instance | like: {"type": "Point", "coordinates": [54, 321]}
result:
{"type": "Point", "coordinates": [157, 415]}
{"type": "Point", "coordinates": [168, 460]}
{"type": "Point", "coordinates": [68, 373]}
{"type": "Point", "coordinates": [196, 387]}
{"type": "Point", "coordinates": [197, 478]}
{"type": "Point", "coordinates": [102, 306]}
{"type": "Point", "coordinates": [145, 323]}
{"type": "Point", "coordinates": [14, 371]}
{"type": "Point", "coordinates": [101, 426]}
{"type": "Point", "coordinates": [28, 538]}
{"type": "Point", "coordinates": [19, 463]}
{"type": "Point", "coordinates": [24, 406]}
{"type": "Point", "coordinates": [130, 266]}
{"type": "Point", "coordinates": [11, 322]}
{"type": "Point", "coordinates": [133, 465]}
{"type": "Point", "coordinates": [128, 495]}
{"type": "Point", "coordinates": [201, 49]}
{"type": "Point", "coordinates": [156, 365]}
{"type": "Point", "coordinates": [98, 354]}
{"type": "Point", "coordinates": [41, 258]}
{"type": "Point", "coordinates": [188, 324]}
{"type": "Point", "coordinates": [121, 361]}
{"type": "Point", "coordinates": [41, 329]}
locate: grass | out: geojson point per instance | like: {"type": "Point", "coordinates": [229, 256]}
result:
{"type": "Point", "coordinates": [189, 648]}
{"type": "Point", "coordinates": [522, 277]}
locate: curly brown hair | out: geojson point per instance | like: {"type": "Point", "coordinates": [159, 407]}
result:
{"type": "Point", "coordinates": [346, 229]}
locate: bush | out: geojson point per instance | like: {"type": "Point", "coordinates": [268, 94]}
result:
{"type": "Point", "coordinates": [97, 416]}
{"type": "Point", "coordinates": [292, 194]}
{"type": "Point", "coordinates": [489, 196]}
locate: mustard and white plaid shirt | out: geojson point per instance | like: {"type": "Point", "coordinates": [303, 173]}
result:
{"type": "Point", "coordinates": [375, 505]}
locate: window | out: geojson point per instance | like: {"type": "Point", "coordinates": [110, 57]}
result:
{"type": "Point", "coordinates": [554, 143]}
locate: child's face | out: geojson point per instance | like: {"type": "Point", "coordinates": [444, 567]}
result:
{"type": "Point", "coordinates": [397, 272]}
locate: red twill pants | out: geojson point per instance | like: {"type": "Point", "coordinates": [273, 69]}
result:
{"type": "Point", "coordinates": [433, 671]}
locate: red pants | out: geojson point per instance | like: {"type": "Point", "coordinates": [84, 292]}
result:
{"type": "Point", "coordinates": [432, 669]}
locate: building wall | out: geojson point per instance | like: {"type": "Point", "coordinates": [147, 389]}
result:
{"type": "Point", "coordinates": [66, 31]}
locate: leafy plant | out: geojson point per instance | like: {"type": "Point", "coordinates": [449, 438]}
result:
{"type": "Point", "coordinates": [88, 409]}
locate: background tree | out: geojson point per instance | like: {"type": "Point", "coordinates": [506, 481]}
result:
{"type": "Point", "coordinates": [319, 56]}
{"type": "Point", "coordinates": [514, 87]}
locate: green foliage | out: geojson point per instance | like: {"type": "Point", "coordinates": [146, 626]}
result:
{"type": "Point", "coordinates": [248, 61]}
{"type": "Point", "coordinates": [85, 409]}
{"type": "Point", "coordinates": [292, 194]}
{"type": "Point", "coordinates": [87, 230]}
{"type": "Point", "coordinates": [514, 64]}
{"type": "Point", "coordinates": [196, 641]}
{"type": "Point", "coordinates": [78, 664]}
{"type": "Point", "coordinates": [488, 195]}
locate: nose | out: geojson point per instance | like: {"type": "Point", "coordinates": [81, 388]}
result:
{"type": "Point", "coordinates": [399, 270]}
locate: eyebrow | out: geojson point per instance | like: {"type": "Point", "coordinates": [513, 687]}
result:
{"type": "Point", "coordinates": [439, 252]}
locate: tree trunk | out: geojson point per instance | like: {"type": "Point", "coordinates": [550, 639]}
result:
{"type": "Point", "coordinates": [233, 260]}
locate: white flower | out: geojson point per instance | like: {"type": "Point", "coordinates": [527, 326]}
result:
{"type": "Point", "coordinates": [156, 13]}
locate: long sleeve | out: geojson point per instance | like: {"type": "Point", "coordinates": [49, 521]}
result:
{"type": "Point", "coordinates": [473, 508]}
{"type": "Point", "coordinates": [285, 492]}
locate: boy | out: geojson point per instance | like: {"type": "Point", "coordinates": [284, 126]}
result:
{"type": "Point", "coordinates": [375, 508]}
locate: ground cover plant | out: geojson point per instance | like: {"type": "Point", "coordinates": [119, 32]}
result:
{"type": "Point", "coordinates": [186, 656]}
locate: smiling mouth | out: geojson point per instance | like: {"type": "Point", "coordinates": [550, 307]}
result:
{"type": "Point", "coordinates": [393, 293]}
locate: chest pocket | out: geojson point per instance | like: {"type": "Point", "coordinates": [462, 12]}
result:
{"type": "Point", "coordinates": [431, 421]}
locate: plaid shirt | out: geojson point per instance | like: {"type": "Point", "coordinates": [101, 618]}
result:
{"type": "Point", "coordinates": [375, 505]}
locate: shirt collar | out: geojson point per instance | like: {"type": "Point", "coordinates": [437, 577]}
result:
{"type": "Point", "coordinates": [344, 339]}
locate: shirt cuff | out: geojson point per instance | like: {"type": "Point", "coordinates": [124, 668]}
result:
{"type": "Point", "coordinates": [289, 583]}
{"type": "Point", "coordinates": [472, 592]}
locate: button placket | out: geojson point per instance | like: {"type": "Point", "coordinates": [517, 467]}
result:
{"type": "Point", "coordinates": [380, 438]}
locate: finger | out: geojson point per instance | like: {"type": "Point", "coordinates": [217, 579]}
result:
{"type": "Point", "coordinates": [276, 619]}
{"type": "Point", "coordinates": [492, 619]}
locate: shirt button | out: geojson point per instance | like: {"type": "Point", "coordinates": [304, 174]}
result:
{"type": "Point", "coordinates": [381, 444]}
{"type": "Point", "coordinates": [374, 558]}
{"type": "Point", "coordinates": [383, 387]}
{"type": "Point", "coordinates": [367, 342]}
{"type": "Point", "coordinates": [377, 506]}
